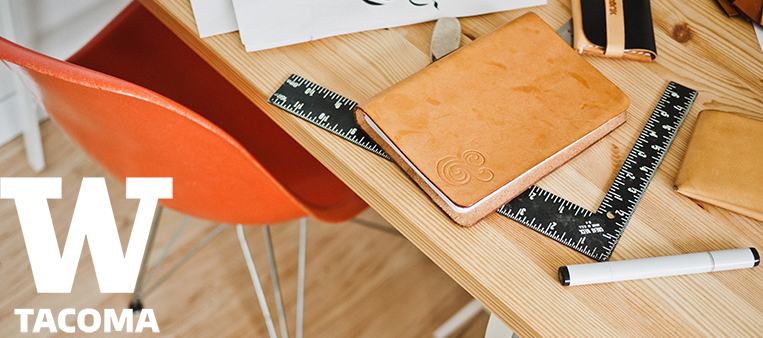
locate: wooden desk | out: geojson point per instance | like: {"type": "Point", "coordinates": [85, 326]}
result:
{"type": "Point", "coordinates": [508, 267]}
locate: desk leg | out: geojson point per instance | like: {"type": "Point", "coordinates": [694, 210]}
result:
{"type": "Point", "coordinates": [30, 125]}
{"type": "Point", "coordinates": [497, 329]}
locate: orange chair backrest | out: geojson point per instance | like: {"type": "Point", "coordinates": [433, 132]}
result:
{"type": "Point", "coordinates": [131, 131]}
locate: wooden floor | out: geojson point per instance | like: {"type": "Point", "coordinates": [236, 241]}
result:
{"type": "Point", "coordinates": [361, 282]}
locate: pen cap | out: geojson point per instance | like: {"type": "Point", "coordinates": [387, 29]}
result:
{"type": "Point", "coordinates": [734, 259]}
{"type": "Point", "coordinates": [581, 274]}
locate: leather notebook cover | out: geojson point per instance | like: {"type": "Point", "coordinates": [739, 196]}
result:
{"type": "Point", "coordinates": [617, 29]}
{"type": "Point", "coordinates": [723, 164]}
{"type": "Point", "coordinates": [483, 124]}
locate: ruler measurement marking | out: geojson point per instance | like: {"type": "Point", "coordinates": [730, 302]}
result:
{"type": "Point", "coordinates": [328, 110]}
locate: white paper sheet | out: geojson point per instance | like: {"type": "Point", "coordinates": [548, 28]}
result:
{"type": "Point", "coordinates": [214, 17]}
{"type": "Point", "coordinates": [759, 34]}
{"type": "Point", "coordinates": [270, 24]}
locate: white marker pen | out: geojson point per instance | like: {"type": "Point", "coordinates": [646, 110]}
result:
{"type": "Point", "coordinates": [605, 272]}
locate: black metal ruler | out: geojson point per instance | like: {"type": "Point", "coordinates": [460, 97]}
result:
{"type": "Point", "coordinates": [593, 234]}
{"type": "Point", "coordinates": [596, 234]}
{"type": "Point", "coordinates": [325, 109]}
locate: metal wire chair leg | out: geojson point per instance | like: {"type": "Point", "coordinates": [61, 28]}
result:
{"type": "Point", "coordinates": [375, 226]}
{"type": "Point", "coordinates": [301, 276]}
{"type": "Point", "coordinates": [167, 249]}
{"type": "Point", "coordinates": [463, 316]}
{"type": "Point", "coordinates": [256, 281]}
{"type": "Point", "coordinates": [136, 304]}
{"type": "Point", "coordinates": [185, 258]}
{"type": "Point", "coordinates": [276, 284]}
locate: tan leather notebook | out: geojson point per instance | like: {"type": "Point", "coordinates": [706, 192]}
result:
{"type": "Point", "coordinates": [484, 123]}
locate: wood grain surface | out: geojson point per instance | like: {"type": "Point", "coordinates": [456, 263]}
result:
{"type": "Point", "coordinates": [510, 268]}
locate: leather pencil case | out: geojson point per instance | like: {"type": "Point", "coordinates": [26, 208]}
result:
{"type": "Point", "coordinates": [614, 28]}
{"type": "Point", "coordinates": [723, 164]}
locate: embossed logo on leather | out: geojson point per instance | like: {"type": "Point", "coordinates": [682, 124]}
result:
{"type": "Point", "coordinates": [460, 170]}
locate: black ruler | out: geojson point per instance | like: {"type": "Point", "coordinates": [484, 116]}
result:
{"type": "Point", "coordinates": [594, 234]}
{"type": "Point", "coordinates": [325, 109]}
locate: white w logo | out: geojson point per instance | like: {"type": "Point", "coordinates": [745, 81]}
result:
{"type": "Point", "coordinates": [93, 218]}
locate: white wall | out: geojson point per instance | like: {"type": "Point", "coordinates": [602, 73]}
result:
{"type": "Point", "coordinates": [53, 27]}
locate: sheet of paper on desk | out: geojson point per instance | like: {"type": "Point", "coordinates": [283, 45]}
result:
{"type": "Point", "coordinates": [759, 34]}
{"type": "Point", "coordinates": [214, 17]}
{"type": "Point", "coordinates": [270, 24]}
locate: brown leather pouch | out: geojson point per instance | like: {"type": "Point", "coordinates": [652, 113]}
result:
{"type": "Point", "coordinates": [723, 164]}
{"type": "Point", "coordinates": [484, 123]}
{"type": "Point", "coordinates": [749, 9]}
{"type": "Point", "coordinates": [614, 28]}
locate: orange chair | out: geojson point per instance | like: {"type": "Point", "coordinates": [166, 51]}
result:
{"type": "Point", "coordinates": [163, 112]}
